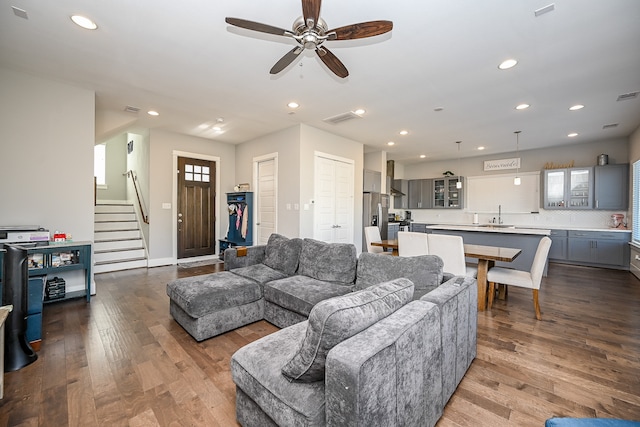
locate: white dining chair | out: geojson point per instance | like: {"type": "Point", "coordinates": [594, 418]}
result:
{"type": "Point", "coordinates": [451, 250]}
{"type": "Point", "coordinates": [372, 234]}
{"type": "Point", "coordinates": [412, 244]}
{"type": "Point", "coordinates": [524, 279]}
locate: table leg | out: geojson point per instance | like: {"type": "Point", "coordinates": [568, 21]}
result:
{"type": "Point", "coordinates": [483, 268]}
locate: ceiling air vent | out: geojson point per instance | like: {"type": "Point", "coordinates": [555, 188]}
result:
{"type": "Point", "coordinates": [130, 109]}
{"type": "Point", "coordinates": [342, 118]}
{"type": "Point", "coordinates": [610, 126]}
{"type": "Point", "coordinates": [630, 95]}
{"type": "Point", "coordinates": [544, 10]}
{"type": "Point", "coordinates": [20, 13]}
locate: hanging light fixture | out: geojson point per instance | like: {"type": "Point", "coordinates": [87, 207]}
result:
{"type": "Point", "coordinates": [516, 180]}
{"type": "Point", "coordinates": [459, 183]}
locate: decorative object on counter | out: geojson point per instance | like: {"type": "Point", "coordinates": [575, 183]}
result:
{"type": "Point", "coordinates": [242, 187]}
{"type": "Point", "coordinates": [516, 180]}
{"type": "Point", "coordinates": [447, 173]}
{"type": "Point", "coordinates": [603, 159]}
{"type": "Point", "coordinates": [475, 218]}
{"type": "Point", "coordinates": [617, 221]}
{"type": "Point", "coordinates": [551, 165]}
{"type": "Point", "coordinates": [459, 183]}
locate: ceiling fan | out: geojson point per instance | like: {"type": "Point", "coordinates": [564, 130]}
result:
{"type": "Point", "coordinates": [310, 31]}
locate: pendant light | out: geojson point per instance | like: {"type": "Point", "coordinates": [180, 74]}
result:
{"type": "Point", "coordinates": [459, 183]}
{"type": "Point", "coordinates": [516, 180]}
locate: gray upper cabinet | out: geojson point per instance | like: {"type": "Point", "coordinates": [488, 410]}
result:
{"type": "Point", "coordinates": [612, 187]}
{"type": "Point", "coordinates": [400, 201]}
{"type": "Point", "coordinates": [372, 181]}
{"type": "Point", "coordinates": [419, 191]}
{"type": "Point", "coordinates": [568, 188]}
{"type": "Point", "coordinates": [446, 194]}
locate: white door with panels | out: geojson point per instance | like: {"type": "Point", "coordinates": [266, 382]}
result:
{"type": "Point", "coordinates": [266, 191]}
{"type": "Point", "coordinates": [334, 212]}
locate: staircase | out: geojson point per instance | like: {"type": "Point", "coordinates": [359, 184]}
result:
{"type": "Point", "coordinates": [117, 238]}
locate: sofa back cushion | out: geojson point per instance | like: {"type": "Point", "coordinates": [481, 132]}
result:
{"type": "Point", "coordinates": [282, 253]}
{"type": "Point", "coordinates": [331, 262]}
{"type": "Point", "coordinates": [425, 271]}
{"type": "Point", "coordinates": [334, 320]}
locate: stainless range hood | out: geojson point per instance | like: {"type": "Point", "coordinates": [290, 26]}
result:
{"type": "Point", "coordinates": [390, 177]}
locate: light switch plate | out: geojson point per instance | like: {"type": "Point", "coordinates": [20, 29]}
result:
{"type": "Point", "coordinates": [166, 206]}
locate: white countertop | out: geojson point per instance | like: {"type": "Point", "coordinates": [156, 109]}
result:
{"type": "Point", "coordinates": [491, 229]}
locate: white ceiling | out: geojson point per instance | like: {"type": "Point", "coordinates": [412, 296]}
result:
{"type": "Point", "coordinates": [183, 60]}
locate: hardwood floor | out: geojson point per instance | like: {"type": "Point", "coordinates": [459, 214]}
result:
{"type": "Point", "coordinates": [122, 359]}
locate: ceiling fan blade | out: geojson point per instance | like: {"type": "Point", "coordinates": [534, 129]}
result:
{"type": "Point", "coordinates": [311, 10]}
{"type": "Point", "coordinates": [257, 26]}
{"type": "Point", "coordinates": [361, 30]}
{"type": "Point", "coordinates": [287, 59]}
{"type": "Point", "coordinates": [332, 62]}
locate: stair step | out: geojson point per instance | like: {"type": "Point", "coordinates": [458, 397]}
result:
{"type": "Point", "coordinates": [119, 255]}
{"type": "Point", "coordinates": [117, 244]}
{"type": "Point", "coordinates": [114, 216]}
{"type": "Point", "coordinates": [116, 226]}
{"type": "Point", "coordinates": [111, 235]}
{"type": "Point", "coordinates": [113, 208]}
{"type": "Point", "coordinates": [105, 267]}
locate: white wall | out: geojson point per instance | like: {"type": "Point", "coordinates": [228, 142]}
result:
{"type": "Point", "coordinates": [161, 243]}
{"type": "Point", "coordinates": [46, 155]}
{"type": "Point", "coordinates": [138, 162]}
{"type": "Point", "coordinates": [286, 144]}
{"type": "Point", "coordinates": [116, 166]}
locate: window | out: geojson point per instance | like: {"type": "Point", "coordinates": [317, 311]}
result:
{"type": "Point", "coordinates": [99, 164]}
{"type": "Point", "coordinates": [635, 208]}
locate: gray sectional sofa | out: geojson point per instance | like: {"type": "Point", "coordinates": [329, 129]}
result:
{"type": "Point", "coordinates": [373, 340]}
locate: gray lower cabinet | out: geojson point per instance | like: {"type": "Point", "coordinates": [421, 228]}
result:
{"type": "Point", "coordinates": [392, 231]}
{"type": "Point", "coordinates": [558, 249]}
{"type": "Point", "coordinates": [598, 248]}
{"type": "Point", "coordinates": [417, 227]}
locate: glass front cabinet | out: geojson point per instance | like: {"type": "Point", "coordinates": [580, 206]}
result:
{"type": "Point", "coordinates": [568, 188]}
{"type": "Point", "coordinates": [446, 194]}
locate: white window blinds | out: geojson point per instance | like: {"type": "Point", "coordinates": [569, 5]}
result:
{"type": "Point", "coordinates": [635, 209]}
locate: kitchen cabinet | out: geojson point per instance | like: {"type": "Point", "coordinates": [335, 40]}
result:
{"type": "Point", "coordinates": [599, 248]}
{"type": "Point", "coordinates": [446, 194]}
{"type": "Point", "coordinates": [420, 194]}
{"type": "Point", "coordinates": [568, 188]}
{"type": "Point", "coordinates": [611, 187]}
{"type": "Point", "coordinates": [401, 201]}
{"type": "Point", "coordinates": [372, 181]}
{"type": "Point", "coordinates": [558, 250]}
{"type": "Point", "coordinates": [392, 230]}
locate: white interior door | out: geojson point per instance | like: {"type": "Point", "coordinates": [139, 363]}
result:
{"type": "Point", "coordinates": [333, 219]}
{"type": "Point", "coordinates": [266, 199]}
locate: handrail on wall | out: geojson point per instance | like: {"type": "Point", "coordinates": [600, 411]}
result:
{"type": "Point", "coordinates": [131, 174]}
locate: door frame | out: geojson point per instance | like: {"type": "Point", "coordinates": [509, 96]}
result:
{"type": "Point", "coordinates": [256, 201]}
{"type": "Point", "coordinates": [174, 202]}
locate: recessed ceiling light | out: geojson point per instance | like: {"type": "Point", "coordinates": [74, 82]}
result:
{"type": "Point", "coordinates": [576, 107]}
{"type": "Point", "coordinates": [153, 113]}
{"type": "Point", "coordinates": [293, 105]}
{"type": "Point", "coordinates": [572, 135]}
{"type": "Point", "coordinates": [481, 148]}
{"type": "Point", "coordinates": [522, 106]}
{"type": "Point", "coordinates": [404, 132]}
{"type": "Point", "coordinates": [204, 125]}
{"type": "Point", "coordinates": [359, 111]}
{"type": "Point", "coordinates": [391, 143]}
{"type": "Point", "coordinates": [84, 22]}
{"type": "Point", "coordinates": [509, 63]}
{"type": "Point", "coordinates": [422, 156]}
{"type": "Point", "coordinates": [216, 128]}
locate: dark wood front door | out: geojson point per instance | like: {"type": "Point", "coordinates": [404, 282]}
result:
{"type": "Point", "coordinates": [196, 207]}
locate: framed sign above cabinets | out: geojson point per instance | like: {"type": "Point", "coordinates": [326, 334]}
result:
{"type": "Point", "coordinates": [485, 193]}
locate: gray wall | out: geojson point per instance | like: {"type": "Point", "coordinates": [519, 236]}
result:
{"type": "Point", "coordinates": [116, 166]}
{"type": "Point", "coordinates": [138, 162]}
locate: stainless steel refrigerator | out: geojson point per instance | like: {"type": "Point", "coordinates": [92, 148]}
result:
{"type": "Point", "coordinates": [375, 211]}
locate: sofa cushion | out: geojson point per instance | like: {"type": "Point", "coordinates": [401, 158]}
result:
{"type": "Point", "coordinates": [200, 295]}
{"type": "Point", "coordinates": [334, 320]}
{"type": "Point", "coordinates": [300, 293]}
{"type": "Point", "coordinates": [282, 253]}
{"type": "Point", "coordinates": [331, 262]}
{"type": "Point", "coordinates": [261, 273]}
{"type": "Point", "coordinates": [425, 271]}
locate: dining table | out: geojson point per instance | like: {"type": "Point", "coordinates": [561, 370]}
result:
{"type": "Point", "coordinates": [486, 256]}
